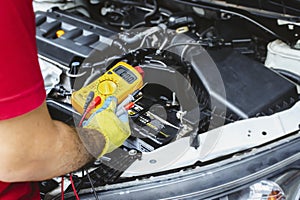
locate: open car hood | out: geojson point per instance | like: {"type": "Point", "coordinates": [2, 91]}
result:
{"type": "Point", "coordinates": [285, 9]}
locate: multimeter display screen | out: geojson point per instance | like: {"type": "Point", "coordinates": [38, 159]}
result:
{"type": "Point", "coordinates": [125, 73]}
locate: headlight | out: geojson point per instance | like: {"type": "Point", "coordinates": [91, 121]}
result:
{"type": "Point", "coordinates": [283, 186]}
{"type": "Point", "coordinates": [266, 190]}
{"type": "Point", "coordinates": [263, 190]}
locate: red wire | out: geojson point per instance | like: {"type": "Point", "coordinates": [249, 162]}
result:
{"type": "Point", "coordinates": [92, 105]}
{"type": "Point", "coordinates": [73, 187]}
{"type": "Point", "coordinates": [62, 188]}
{"type": "Point", "coordinates": [83, 118]}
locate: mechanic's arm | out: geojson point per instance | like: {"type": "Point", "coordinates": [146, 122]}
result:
{"type": "Point", "coordinates": [34, 147]}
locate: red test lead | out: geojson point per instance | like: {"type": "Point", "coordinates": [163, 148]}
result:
{"type": "Point", "coordinates": [91, 106]}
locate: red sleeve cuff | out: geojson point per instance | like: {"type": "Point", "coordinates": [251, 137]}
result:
{"type": "Point", "coordinates": [22, 103]}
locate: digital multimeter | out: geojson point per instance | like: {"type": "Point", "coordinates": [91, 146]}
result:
{"type": "Point", "coordinates": [119, 81]}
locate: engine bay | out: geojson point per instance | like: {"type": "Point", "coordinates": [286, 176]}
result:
{"type": "Point", "coordinates": [203, 69]}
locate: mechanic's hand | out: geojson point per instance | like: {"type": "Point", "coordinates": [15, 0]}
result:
{"type": "Point", "coordinates": [115, 129]}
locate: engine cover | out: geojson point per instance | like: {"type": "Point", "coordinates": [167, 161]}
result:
{"type": "Point", "coordinates": [81, 36]}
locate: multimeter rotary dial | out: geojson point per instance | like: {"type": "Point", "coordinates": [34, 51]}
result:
{"type": "Point", "coordinates": [107, 87]}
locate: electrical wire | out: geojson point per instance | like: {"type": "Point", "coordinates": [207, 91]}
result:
{"type": "Point", "coordinates": [88, 106]}
{"type": "Point", "coordinates": [73, 187]}
{"type": "Point", "coordinates": [252, 21]}
{"type": "Point", "coordinates": [93, 104]}
{"type": "Point", "coordinates": [82, 118]}
{"type": "Point", "coordinates": [92, 184]}
{"type": "Point", "coordinates": [62, 188]}
{"type": "Point", "coordinates": [88, 101]}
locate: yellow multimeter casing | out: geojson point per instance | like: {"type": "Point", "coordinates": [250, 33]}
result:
{"type": "Point", "coordinates": [119, 81]}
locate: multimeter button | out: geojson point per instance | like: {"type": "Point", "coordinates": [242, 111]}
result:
{"type": "Point", "coordinates": [107, 87]}
{"type": "Point", "coordinates": [109, 72]}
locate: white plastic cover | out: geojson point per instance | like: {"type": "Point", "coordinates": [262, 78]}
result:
{"type": "Point", "coordinates": [282, 56]}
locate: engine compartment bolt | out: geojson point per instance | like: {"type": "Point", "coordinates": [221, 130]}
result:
{"type": "Point", "coordinates": [132, 152]}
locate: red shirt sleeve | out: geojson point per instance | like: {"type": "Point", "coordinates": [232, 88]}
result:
{"type": "Point", "coordinates": [22, 87]}
{"type": "Point", "coordinates": [13, 191]}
